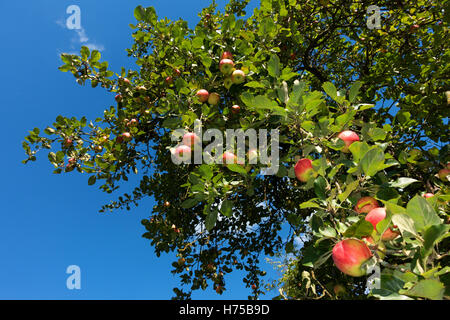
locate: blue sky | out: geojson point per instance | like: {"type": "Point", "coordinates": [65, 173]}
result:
{"type": "Point", "coordinates": [47, 221]}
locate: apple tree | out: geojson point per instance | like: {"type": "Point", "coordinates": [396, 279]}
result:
{"type": "Point", "coordinates": [362, 116]}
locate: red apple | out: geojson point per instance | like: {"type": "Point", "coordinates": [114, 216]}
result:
{"type": "Point", "coordinates": [229, 158]}
{"type": "Point", "coordinates": [238, 76]}
{"type": "Point", "coordinates": [304, 169]}
{"type": "Point", "coordinates": [177, 72]}
{"type": "Point", "coordinates": [348, 137]}
{"type": "Point", "coordinates": [98, 149]}
{"type": "Point", "coordinates": [374, 217]}
{"type": "Point", "coordinates": [124, 80]}
{"type": "Point", "coordinates": [253, 287]}
{"type": "Point", "coordinates": [414, 27]}
{"type": "Point", "coordinates": [180, 151]}
{"type": "Point", "coordinates": [202, 95]}
{"type": "Point", "coordinates": [226, 65]}
{"type": "Point", "coordinates": [169, 80]}
{"type": "Point", "coordinates": [190, 139]}
{"type": "Point", "coordinates": [227, 55]}
{"type": "Point", "coordinates": [126, 136]}
{"type": "Point", "coordinates": [428, 195]}
{"type": "Point", "coordinates": [213, 98]}
{"type": "Point", "coordinates": [118, 98]}
{"type": "Point", "coordinates": [365, 204]}
{"type": "Point", "coordinates": [349, 255]}
{"type": "Point", "coordinates": [235, 109]}
{"type": "Point", "coordinates": [443, 174]}
{"type": "Point", "coordinates": [68, 142]}
{"type": "Point", "coordinates": [132, 123]}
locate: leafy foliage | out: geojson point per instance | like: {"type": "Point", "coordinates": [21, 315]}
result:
{"type": "Point", "coordinates": [313, 69]}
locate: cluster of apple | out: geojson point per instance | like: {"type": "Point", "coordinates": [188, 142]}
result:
{"type": "Point", "coordinates": [190, 140]}
{"type": "Point", "coordinates": [350, 254]}
{"type": "Point", "coordinates": [303, 168]}
{"type": "Point", "coordinates": [233, 76]}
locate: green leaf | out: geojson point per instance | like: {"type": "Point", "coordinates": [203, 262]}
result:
{"type": "Point", "coordinates": [211, 220]}
{"type": "Point", "coordinates": [95, 55]}
{"type": "Point", "coordinates": [206, 171]}
{"type": "Point", "coordinates": [189, 203]}
{"type": "Point", "coordinates": [429, 288]}
{"type": "Point", "coordinates": [432, 236]}
{"type": "Point", "coordinates": [404, 223]}
{"type": "Point", "coordinates": [359, 229]}
{"type": "Point", "coordinates": [373, 161]}
{"type": "Point", "coordinates": [402, 182]}
{"type": "Point", "coordinates": [84, 53]}
{"type": "Point", "coordinates": [330, 90]}
{"type": "Point", "coordinates": [348, 190]}
{"type": "Point", "coordinates": [358, 149]}
{"type": "Point", "coordinates": [273, 66]}
{"type": "Point", "coordinates": [320, 185]}
{"type": "Point", "coordinates": [389, 289]}
{"type": "Point", "coordinates": [139, 13]}
{"type": "Point", "coordinates": [309, 204]}
{"type": "Point", "coordinates": [227, 208]}
{"type": "Point", "coordinates": [354, 91]}
{"type": "Point", "coordinates": [422, 213]}
{"type": "Point", "coordinates": [237, 168]}
{"type": "Point", "coordinates": [92, 180]}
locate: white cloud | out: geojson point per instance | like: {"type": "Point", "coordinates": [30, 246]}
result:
{"type": "Point", "coordinates": [80, 37]}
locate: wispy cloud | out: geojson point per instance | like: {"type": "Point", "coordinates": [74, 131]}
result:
{"type": "Point", "coordinates": [79, 38]}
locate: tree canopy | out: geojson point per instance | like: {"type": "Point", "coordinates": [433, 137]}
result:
{"type": "Point", "coordinates": [313, 69]}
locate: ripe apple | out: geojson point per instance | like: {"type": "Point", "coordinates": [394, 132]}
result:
{"type": "Point", "coordinates": [253, 287]}
{"type": "Point", "coordinates": [190, 139]}
{"type": "Point", "coordinates": [202, 95]}
{"type": "Point", "coordinates": [126, 136]}
{"type": "Point", "coordinates": [177, 72]}
{"type": "Point", "coordinates": [181, 261]}
{"type": "Point", "coordinates": [118, 98]}
{"type": "Point", "coordinates": [181, 151]}
{"type": "Point", "coordinates": [238, 76]}
{"type": "Point", "coordinates": [141, 88]}
{"type": "Point", "coordinates": [213, 98]}
{"type": "Point", "coordinates": [227, 55]}
{"type": "Point", "coordinates": [235, 109]}
{"type": "Point", "coordinates": [169, 80]}
{"type": "Point", "coordinates": [349, 255]}
{"type": "Point", "coordinates": [132, 123]}
{"type": "Point", "coordinates": [374, 217]}
{"type": "Point", "coordinates": [166, 204]}
{"type": "Point", "coordinates": [229, 158]}
{"type": "Point", "coordinates": [428, 195]}
{"type": "Point", "coordinates": [304, 169]}
{"type": "Point", "coordinates": [124, 81]}
{"type": "Point", "coordinates": [68, 142]}
{"type": "Point", "coordinates": [414, 27]}
{"type": "Point", "coordinates": [348, 137]}
{"type": "Point", "coordinates": [228, 82]}
{"type": "Point", "coordinates": [226, 65]}
{"type": "Point", "coordinates": [444, 173]}
{"type": "Point", "coordinates": [365, 204]}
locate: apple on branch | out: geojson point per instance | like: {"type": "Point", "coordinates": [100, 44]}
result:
{"type": "Point", "coordinates": [365, 204]}
{"type": "Point", "coordinates": [238, 76]}
{"type": "Point", "coordinates": [202, 95]}
{"type": "Point", "coordinates": [348, 137]}
{"type": "Point", "coordinates": [190, 139]}
{"type": "Point", "coordinates": [304, 169]}
{"type": "Point", "coordinates": [213, 98]}
{"type": "Point", "coordinates": [235, 109]}
{"type": "Point", "coordinates": [349, 255]}
{"type": "Point", "coordinates": [374, 217]}
{"type": "Point", "coordinates": [226, 66]}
